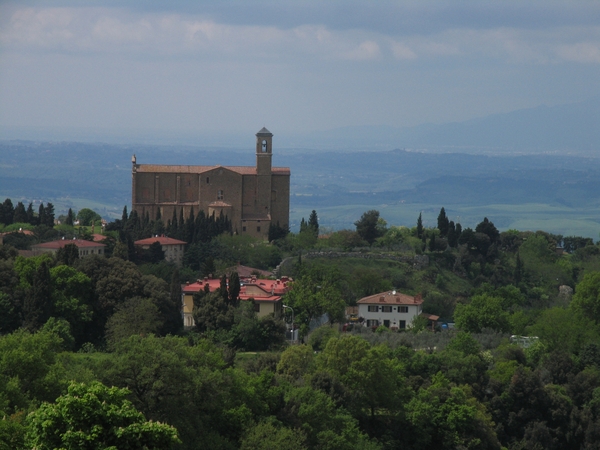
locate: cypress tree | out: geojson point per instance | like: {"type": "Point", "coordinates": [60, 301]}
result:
{"type": "Point", "coordinates": [313, 223]}
{"type": "Point", "coordinates": [174, 228]}
{"type": "Point", "coordinates": [42, 215]}
{"type": "Point", "coordinates": [443, 223]}
{"type": "Point", "coordinates": [420, 227]}
{"type": "Point", "coordinates": [452, 236]}
{"type": "Point", "coordinates": [38, 301]}
{"type": "Point", "coordinates": [31, 219]}
{"type": "Point", "coordinates": [69, 219]}
{"type": "Point", "coordinates": [20, 215]}
{"type": "Point", "coordinates": [50, 214]}
{"type": "Point", "coordinates": [234, 288]}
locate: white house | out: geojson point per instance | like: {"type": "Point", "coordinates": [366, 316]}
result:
{"type": "Point", "coordinates": [391, 309]}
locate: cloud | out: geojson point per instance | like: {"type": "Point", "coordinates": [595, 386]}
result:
{"type": "Point", "coordinates": [164, 33]}
{"type": "Point", "coordinates": [402, 51]}
{"type": "Point", "coordinates": [367, 50]}
{"type": "Point", "coordinates": [582, 52]}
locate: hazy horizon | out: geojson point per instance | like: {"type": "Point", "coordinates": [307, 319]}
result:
{"type": "Point", "coordinates": [108, 70]}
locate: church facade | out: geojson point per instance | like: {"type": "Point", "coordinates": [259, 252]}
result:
{"type": "Point", "coordinates": [252, 198]}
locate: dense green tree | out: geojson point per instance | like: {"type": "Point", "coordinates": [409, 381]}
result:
{"type": "Point", "coordinates": [484, 311]}
{"type": "Point", "coordinates": [211, 312]}
{"type": "Point", "coordinates": [276, 231]}
{"type": "Point", "coordinates": [87, 216]}
{"type": "Point", "coordinates": [587, 296]}
{"type": "Point", "coordinates": [448, 417]}
{"type": "Point", "coordinates": [266, 436]}
{"type": "Point", "coordinates": [367, 226]}
{"type": "Point", "coordinates": [136, 316]}
{"type": "Point", "coordinates": [311, 301]}
{"type": "Point", "coordinates": [7, 212]}
{"type": "Point", "coordinates": [560, 328]}
{"type": "Point", "coordinates": [27, 369]}
{"type": "Point", "coordinates": [369, 372]}
{"type": "Point", "coordinates": [487, 227]}
{"type": "Point", "coordinates": [96, 417]}
{"type": "Point", "coordinates": [20, 214]}
{"type": "Point", "coordinates": [68, 254]}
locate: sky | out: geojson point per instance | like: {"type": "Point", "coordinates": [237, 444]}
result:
{"type": "Point", "coordinates": [294, 66]}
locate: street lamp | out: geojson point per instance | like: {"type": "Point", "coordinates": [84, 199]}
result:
{"type": "Point", "coordinates": [292, 336]}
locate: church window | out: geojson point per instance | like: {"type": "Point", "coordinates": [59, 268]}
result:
{"type": "Point", "coordinates": [220, 194]}
{"type": "Point", "coordinates": [207, 180]}
{"type": "Point", "coordinates": [264, 145]}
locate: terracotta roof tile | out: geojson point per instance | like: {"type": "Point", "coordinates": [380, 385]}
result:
{"type": "Point", "coordinates": [80, 243]}
{"type": "Point", "coordinates": [391, 298]}
{"type": "Point", "coordinates": [163, 240]}
{"type": "Point", "coordinates": [242, 170]}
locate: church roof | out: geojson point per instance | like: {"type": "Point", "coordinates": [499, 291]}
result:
{"type": "Point", "coordinates": [242, 170]}
{"type": "Point", "coordinates": [263, 132]}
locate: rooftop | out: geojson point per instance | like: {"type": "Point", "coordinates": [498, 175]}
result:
{"type": "Point", "coordinates": [391, 298]}
{"type": "Point", "coordinates": [242, 170]}
{"type": "Point", "coordinates": [80, 243]}
{"type": "Point", "coordinates": [162, 240]}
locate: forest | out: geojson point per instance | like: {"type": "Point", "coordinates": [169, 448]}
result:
{"type": "Point", "coordinates": [93, 353]}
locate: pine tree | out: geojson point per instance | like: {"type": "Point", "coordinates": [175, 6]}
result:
{"type": "Point", "coordinates": [420, 227]}
{"type": "Point", "coordinates": [124, 216]}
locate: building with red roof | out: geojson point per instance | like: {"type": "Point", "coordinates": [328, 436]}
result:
{"type": "Point", "coordinates": [267, 295]}
{"type": "Point", "coordinates": [391, 309]}
{"type": "Point", "coordinates": [252, 198]}
{"type": "Point", "coordinates": [173, 248]}
{"type": "Point", "coordinates": [86, 248]}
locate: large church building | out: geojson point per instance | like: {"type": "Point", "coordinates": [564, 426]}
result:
{"type": "Point", "coordinates": [252, 198]}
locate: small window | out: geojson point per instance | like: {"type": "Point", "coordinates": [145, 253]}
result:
{"type": "Point", "coordinates": [372, 323]}
{"type": "Point", "coordinates": [207, 180]}
{"type": "Point", "coordinates": [258, 229]}
{"type": "Point", "coordinates": [403, 309]}
{"type": "Point", "coordinates": [387, 309]}
{"type": "Point", "coordinates": [257, 307]}
{"type": "Point", "coordinates": [244, 229]}
{"type": "Point", "coordinates": [373, 308]}
{"type": "Point", "coordinates": [220, 194]}
{"type": "Point", "coordinates": [402, 324]}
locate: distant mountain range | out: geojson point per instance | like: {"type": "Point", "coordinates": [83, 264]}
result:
{"type": "Point", "coordinates": [572, 128]}
{"type": "Point", "coordinates": [562, 129]}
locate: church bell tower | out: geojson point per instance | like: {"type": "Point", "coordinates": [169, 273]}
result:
{"type": "Point", "coordinates": [264, 154]}
{"type": "Point", "coordinates": [264, 151]}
